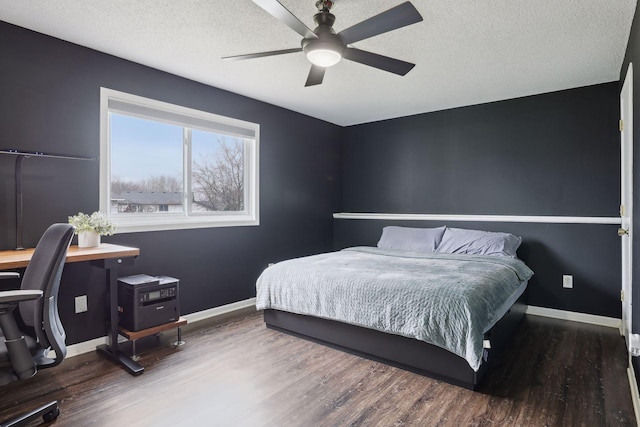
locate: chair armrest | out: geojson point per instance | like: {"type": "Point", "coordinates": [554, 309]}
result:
{"type": "Point", "coordinates": [9, 297]}
{"type": "Point", "coordinates": [9, 275]}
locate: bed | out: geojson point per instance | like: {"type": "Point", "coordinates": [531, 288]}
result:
{"type": "Point", "coordinates": [442, 309]}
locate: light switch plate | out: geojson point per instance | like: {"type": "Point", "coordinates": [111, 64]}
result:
{"type": "Point", "coordinates": [81, 304]}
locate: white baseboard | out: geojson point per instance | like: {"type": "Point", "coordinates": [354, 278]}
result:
{"type": "Point", "coordinates": [635, 396]}
{"type": "Point", "coordinates": [89, 346]}
{"type": "Point", "coordinates": [218, 311]}
{"type": "Point", "coordinates": [85, 346]}
{"type": "Point", "coordinates": [593, 319]}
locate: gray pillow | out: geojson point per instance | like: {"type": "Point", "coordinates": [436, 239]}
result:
{"type": "Point", "coordinates": [477, 242]}
{"type": "Point", "coordinates": [411, 239]}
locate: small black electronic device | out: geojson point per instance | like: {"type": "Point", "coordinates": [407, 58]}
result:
{"type": "Point", "coordinates": [147, 301]}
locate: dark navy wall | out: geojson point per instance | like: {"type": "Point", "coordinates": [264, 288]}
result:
{"type": "Point", "coordinates": [550, 154]}
{"type": "Point", "coordinates": [554, 154]}
{"type": "Point", "coordinates": [49, 101]}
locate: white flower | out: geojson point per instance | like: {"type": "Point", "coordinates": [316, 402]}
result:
{"type": "Point", "coordinates": [97, 222]}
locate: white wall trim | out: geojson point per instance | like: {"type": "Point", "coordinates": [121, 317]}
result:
{"type": "Point", "coordinates": [85, 346]}
{"type": "Point", "coordinates": [89, 346]}
{"type": "Point", "coordinates": [544, 219]}
{"type": "Point", "coordinates": [218, 311]}
{"type": "Point", "coordinates": [611, 322]}
{"type": "Point", "coordinates": [635, 396]}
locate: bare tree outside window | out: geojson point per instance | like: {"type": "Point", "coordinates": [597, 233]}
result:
{"type": "Point", "coordinates": [158, 184]}
{"type": "Point", "coordinates": [218, 177]}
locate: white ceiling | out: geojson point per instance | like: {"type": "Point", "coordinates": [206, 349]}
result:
{"type": "Point", "coordinates": [466, 51]}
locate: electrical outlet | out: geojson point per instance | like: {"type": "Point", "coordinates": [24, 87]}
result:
{"type": "Point", "coordinates": [567, 281]}
{"type": "Point", "coordinates": [81, 304]}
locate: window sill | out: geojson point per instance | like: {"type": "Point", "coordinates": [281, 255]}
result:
{"type": "Point", "coordinates": [190, 223]}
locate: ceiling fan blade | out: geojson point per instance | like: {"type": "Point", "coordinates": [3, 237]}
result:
{"type": "Point", "coordinates": [394, 18]}
{"type": "Point", "coordinates": [381, 62]}
{"type": "Point", "coordinates": [281, 13]}
{"type": "Point", "coordinates": [315, 76]}
{"type": "Point", "coordinates": [261, 54]}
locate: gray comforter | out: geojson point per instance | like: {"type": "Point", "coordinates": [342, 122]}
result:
{"type": "Point", "coordinates": [449, 300]}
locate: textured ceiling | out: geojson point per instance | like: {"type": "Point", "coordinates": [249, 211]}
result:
{"type": "Point", "coordinates": [466, 51]}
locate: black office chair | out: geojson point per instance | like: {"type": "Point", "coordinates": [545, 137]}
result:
{"type": "Point", "coordinates": [33, 336]}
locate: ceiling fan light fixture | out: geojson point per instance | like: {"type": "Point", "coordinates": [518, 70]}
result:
{"type": "Point", "coordinates": [323, 57]}
{"type": "Point", "coordinates": [325, 51]}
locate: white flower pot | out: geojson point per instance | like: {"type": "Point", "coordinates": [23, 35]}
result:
{"type": "Point", "coordinates": [88, 239]}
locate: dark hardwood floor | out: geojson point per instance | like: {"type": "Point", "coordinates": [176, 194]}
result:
{"type": "Point", "coordinates": [238, 373]}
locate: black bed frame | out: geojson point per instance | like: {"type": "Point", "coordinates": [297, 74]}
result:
{"type": "Point", "coordinates": [396, 350]}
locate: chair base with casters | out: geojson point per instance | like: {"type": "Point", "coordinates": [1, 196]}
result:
{"type": "Point", "coordinates": [19, 348]}
{"type": "Point", "coordinates": [48, 412]}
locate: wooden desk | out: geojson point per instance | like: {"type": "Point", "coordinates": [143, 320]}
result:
{"type": "Point", "coordinates": [108, 257]}
{"type": "Point", "coordinates": [20, 259]}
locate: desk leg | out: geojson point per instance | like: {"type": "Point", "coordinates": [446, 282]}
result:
{"type": "Point", "coordinates": [111, 350]}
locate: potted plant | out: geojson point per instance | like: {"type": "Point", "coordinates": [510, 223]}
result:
{"type": "Point", "coordinates": [89, 228]}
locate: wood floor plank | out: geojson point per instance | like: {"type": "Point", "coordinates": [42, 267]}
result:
{"type": "Point", "coordinates": [239, 373]}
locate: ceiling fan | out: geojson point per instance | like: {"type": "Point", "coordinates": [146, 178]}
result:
{"type": "Point", "coordinates": [324, 48]}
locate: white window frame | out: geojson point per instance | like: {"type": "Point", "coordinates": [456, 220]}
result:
{"type": "Point", "coordinates": [112, 101]}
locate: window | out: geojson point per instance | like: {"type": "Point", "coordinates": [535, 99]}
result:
{"type": "Point", "coordinates": [165, 167]}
